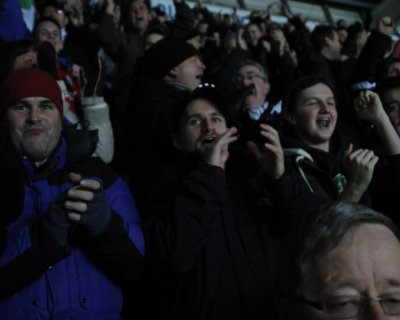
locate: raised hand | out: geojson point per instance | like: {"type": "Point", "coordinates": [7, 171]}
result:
{"type": "Point", "coordinates": [217, 153]}
{"type": "Point", "coordinates": [368, 106]}
{"type": "Point", "coordinates": [359, 166]}
{"type": "Point", "coordinates": [271, 159]}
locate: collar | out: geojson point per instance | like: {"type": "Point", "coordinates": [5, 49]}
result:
{"type": "Point", "coordinates": [49, 165]}
{"type": "Point", "coordinates": [255, 113]}
{"type": "Point", "coordinates": [178, 85]}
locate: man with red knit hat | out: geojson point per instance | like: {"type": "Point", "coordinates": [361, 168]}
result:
{"type": "Point", "coordinates": [76, 242]}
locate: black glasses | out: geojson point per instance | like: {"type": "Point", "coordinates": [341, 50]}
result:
{"type": "Point", "coordinates": [348, 307]}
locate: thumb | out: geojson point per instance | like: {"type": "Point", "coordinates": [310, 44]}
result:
{"type": "Point", "coordinates": [348, 150]}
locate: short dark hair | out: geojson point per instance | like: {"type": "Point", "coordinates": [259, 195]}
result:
{"type": "Point", "coordinates": [42, 20]}
{"type": "Point", "coordinates": [319, 34]}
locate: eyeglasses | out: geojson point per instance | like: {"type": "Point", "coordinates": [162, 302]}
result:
{"type": "Point", "coordinates": [348, 307]}
{"type": "Point", "coordinates": [249, 76]}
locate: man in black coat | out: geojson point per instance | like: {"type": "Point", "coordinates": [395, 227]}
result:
{"type": "Point", "coordinates": [172, 70]}
{"type": "Point", "coordinates": [209, 222]}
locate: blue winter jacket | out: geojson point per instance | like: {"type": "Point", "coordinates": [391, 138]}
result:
{"type": "Point", "coordinates": [43, 280]}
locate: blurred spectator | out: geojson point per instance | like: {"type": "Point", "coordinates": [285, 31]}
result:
{"type": "Point", "coordinates": [340, 262]}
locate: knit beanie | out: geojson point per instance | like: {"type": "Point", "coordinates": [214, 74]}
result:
{"type": "Point", "coordinates": [29, 82]}
{"type": "Point", "coordinates": [165, 55]}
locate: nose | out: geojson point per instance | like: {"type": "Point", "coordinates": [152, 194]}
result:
{"type": "Point", "coordinates": [207, 125]}
{"type": "Point", "coordinates": [324, 108]}
{"type": "Point", "coordinates": [375, 312]}
{"type": "Point", "coordinates": [201, 65]}
{"type": "Point", "coordinates": [33, 115]}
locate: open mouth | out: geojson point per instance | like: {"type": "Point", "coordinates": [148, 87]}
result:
{"type": "Point", "coordinates": [324, 122]}
{"type": "Point", "coordinates": [208, 140]}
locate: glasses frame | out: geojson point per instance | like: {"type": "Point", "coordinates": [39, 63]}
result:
{"type": "Point", "coordinates": [321, 304]}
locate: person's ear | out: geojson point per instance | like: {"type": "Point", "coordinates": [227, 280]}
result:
{"type": "Point", "coordinates": [176, 141]}
{"type": "Point", "coordinates": [173, 72]}
{"type": "Point", "coordinates": [266, 87]}
{"type": "Point", "coordinates": [290, 118]}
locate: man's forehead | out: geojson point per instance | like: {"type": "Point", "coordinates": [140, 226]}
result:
{"type": "Point", "coordinates": [201, 106]}
{"type": "Point", "coordinates": [249, 69]}
{"type": "Point", "coordinates": [47, 25]}
{"type": "Point", "coordinates": [35, 99]}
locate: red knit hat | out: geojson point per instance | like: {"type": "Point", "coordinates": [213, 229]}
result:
{"type": "Point", "coordinates": [29, 82]}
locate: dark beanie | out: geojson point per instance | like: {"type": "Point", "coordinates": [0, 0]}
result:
{"type": "Point", "coordinates": [165, 55]}
{"type": "Point", "coordinates": [29, 82]}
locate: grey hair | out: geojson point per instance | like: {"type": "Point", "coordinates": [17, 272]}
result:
{"type": "Point", "coordinates": [249, 62]}
{"type": "Point", "coordinates": [321, 231]}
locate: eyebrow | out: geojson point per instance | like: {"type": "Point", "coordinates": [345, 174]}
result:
{"type": "Point", "coordinates": [200, 115]}
{"type": "Point", "coordinates": [316, 97]}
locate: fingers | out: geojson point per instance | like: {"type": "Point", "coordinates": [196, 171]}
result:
{"type": "Point", "coordinates": [81, 193]}
{"type": "Point", "coordinates": [225, 139]}
{"type": "Point", "coordinates": [90, 184]}
{"type": "Point", "coordinates": [74, 217]}
{"type": "Point", "coordinates": [364, 158]}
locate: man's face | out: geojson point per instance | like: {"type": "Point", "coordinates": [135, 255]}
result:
{"type": "Point", "coordinates": [25, 60]}
{"type": "Point", "coordinates": [391, 101]}
{"type": "Point", "coordinates": [365, 263]}
{"type": "Point", "coordinates": [248, 75]}
{"type": "Point", "coordinates": [48, 31]}
{"type": "Point", "coordinates": [202, 123]}
{"type": "Point", "coordinates": [189, 72]}
{"type": "Point", "coordinates": [57, 14]}
{"type": "Point", "coordinates": [35, 126]}
{"type": "Point", "coordinates": [253, 34]}
{"type": "Point", "coordinates": [139, 15]}
{"type": "Point", "coordinates": [315, 116]}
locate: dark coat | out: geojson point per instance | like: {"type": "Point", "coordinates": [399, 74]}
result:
{"type": "Point", "coordinates": [144, 143]}
{"type": "Point", "coordinates": [210, 241]}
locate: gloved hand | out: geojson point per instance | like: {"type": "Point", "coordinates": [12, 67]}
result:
{"type": "Point", "coordinates": [93, 78]}
{"type": "Point", "coordinates": [88, 204]}
{"type": "Point", "coordinates": [56, 220]}
{"type": "Point", "coordinates": [47, 59]}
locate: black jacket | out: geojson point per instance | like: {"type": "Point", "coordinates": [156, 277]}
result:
{"type": "Point", "coordinates": [210, 241]}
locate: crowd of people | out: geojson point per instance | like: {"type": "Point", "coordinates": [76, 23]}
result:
{"type": "Point", "coordinates": [197, 167]}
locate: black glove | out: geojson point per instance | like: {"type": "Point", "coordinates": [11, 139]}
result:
{"type": "Point", "coordinates": [56, 220]}
{"type": "Point", "coordinates": [93, 78]}
{"type": "Point", "coordinates": [98, 213]}
{"type": "Point", "coordinates": [47, 59]}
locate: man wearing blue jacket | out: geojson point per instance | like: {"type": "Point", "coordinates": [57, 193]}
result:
{"type": "Point", "coordinates": [73, 240]}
